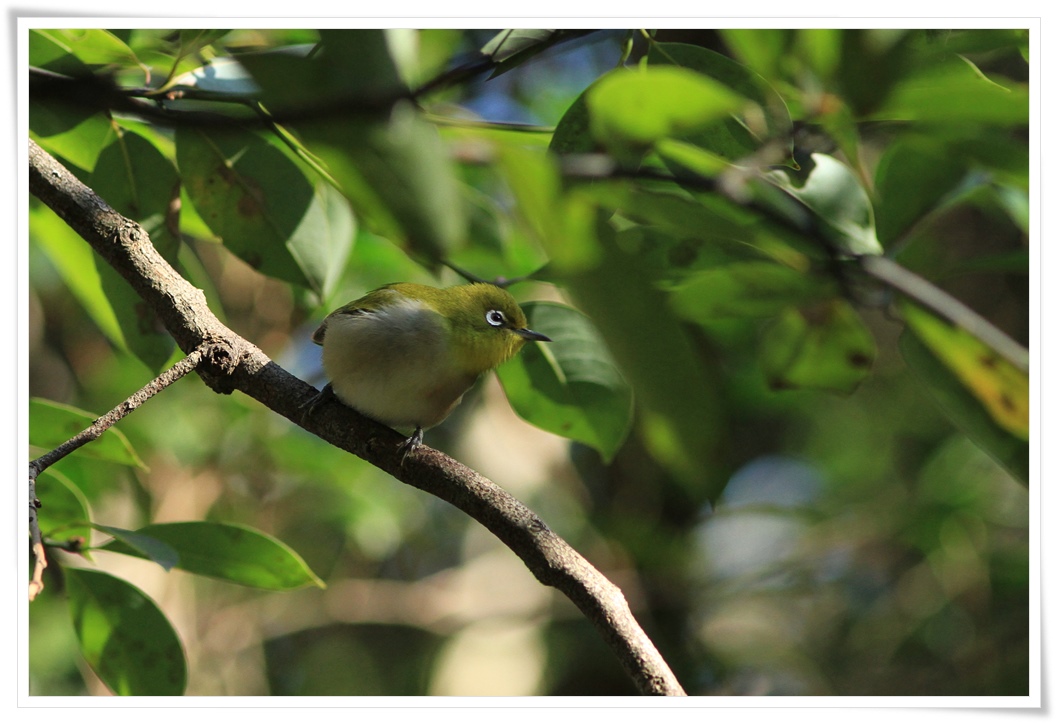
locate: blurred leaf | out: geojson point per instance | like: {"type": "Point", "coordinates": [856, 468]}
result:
{"type": "Point", "coordinates": [1003, 390]}
{"type": "Point", "coordinates": [871, 63]}
{"type": "Point", "coordinates": [952, 91]}
{"type": "Point", "coordinates": [746, 289]}
{"type": "Point", "coordinates": [820, 50]}
{"type": "Point", "coordinates": [676, 385]}
{"type": "Point", "coordinates": [387, 161]}
{"type": "Point", "coordinates": [399, 178]}
{"type": "Point", "coordinates": [825, 346]}
{"type": "Point", "coordinates": [259, 201]}
{"type": "Point", "coordinates": [965, 410]}
{"type": "Point", "coordinates": [911, 177]}
{"type": "Point", "coordinates": [50, 53]}
{"type": "Point", "coordinates": [51, 424]}
{"type": "Point", "coordinates": [229, 552]}
{"type": "Point", "coordinates": [90, 46]}
{"type": "Point", "coordinates": [557, 219]}
{"type": "Point", "coordinates": [63, 507]}
{"type": "Point", "coordinates": [842, 206]}
{"type": "Point", "coordinates": [75, 262]}
{"type": "Point", "coordinates": [761, 49]}
{"type": "Point", "coordinates": [144, 546]}
{"type": "Point", "coordinates": [570, 387]}
{"type": "Point", "coordinates": [731, 137]}
{"type": "Point", "coordinates": [72, 132]}
{"type": "Point", "coordinates": [572, 134]}
{"type": "Point", "coordinates": [124, 637]}
{"type": "Point", "coordinates": [632, 109]}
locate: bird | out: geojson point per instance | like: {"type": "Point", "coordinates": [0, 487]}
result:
{"type": "Point", "coordinates": [405, 354]}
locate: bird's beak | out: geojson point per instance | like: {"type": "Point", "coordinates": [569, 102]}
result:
{"type": "Point", "coordinates": [531, 335]}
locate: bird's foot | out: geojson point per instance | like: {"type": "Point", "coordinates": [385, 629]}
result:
{"type": "Point", "coordinates": [313, 403]}
{"type": "Point", "coordinates": [410, 444]}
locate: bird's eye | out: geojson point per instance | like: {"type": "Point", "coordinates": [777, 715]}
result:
{"type": "Point", "coordinates": [495, 317]}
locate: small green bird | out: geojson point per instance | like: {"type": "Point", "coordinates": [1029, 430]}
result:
{"type": "Point", "coordinates": [405, 354]}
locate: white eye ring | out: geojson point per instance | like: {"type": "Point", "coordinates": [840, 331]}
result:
{"type": "Point", "coordinates": [495, 317]}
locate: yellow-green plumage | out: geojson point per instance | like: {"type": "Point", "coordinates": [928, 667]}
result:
{"type": "Point", "coordinates": [405, 354]}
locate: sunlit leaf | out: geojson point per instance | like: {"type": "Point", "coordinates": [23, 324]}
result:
{"type": "Point", "coordinates": [123, 635]}
{"type": "Point", "coordinates": [570, 387]}
{"type": "Point", "coordinates": [999, 386]}
{"type": "Point", "coordinates": [631, 109]}
{"type": "Point", "coordinates": [842, 206]}
{"type": "Point", "coordinates": [964, 409]}
{"type": "Point", "coordinates": [731, 137]}
{"type": "Point", "coordinates": [91, 46]}
{"type": "Point", "coordinates": [229, 552]}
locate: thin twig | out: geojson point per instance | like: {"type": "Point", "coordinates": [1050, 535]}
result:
{"type": "Point", "coordinates": [95, 430]}
{"type": "Point", "coordinates": [89, 434]}
{"type": "Point", "coordinates": [957, 313]}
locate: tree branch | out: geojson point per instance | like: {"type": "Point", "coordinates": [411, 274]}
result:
{"type": "Point", "coordinates": [231, 363]}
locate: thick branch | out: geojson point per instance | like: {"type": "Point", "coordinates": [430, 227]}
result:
{"type": "Point", "coordinates": [234, 363]}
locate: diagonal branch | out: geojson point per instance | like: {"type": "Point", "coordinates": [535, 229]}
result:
{"type": "Point", "coordinates": [233, 363]}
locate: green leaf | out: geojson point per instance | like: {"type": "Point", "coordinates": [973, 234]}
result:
{"type": "Point", "coordinates": [572, 134]}
{"type": "Point", "coordinates": [137, 180]}
{"type": "Point", "coordinates": [124, 637]}
{"type": "Point", "coordinates": [133, 177]}
{"type": "Point", "coordinates": [557, 219]}
{"type": "Point", "coordinates": [825, 346]}
{"type": "Point", "coordinates": [731, 137]}
{"type": "Point", "coordinates": [51, 424]}
{"type": "Point", "coordinates": [76, 135]}
{"type": "Point", "coordinates": [761, 49]}
{"type": "Point", "coordinates": [50, 53]}
{"type": "Point", "coordinates": [676, 387]}
{"type": "Point", "coordinates": [260, 202]}
{"type": "Point", "coordinates": [229, 552]}
{"type": "Point", "coordinates": [842, 206]}
{"type": "Point", "coordinates": [954, 91]}
{"type": "Point", "coordinates": [91, 46]}
{"type": "Point", "coordinates": [572, 386]}
{"type": "Point", "coordinates": [145, 546]}
{"type": "Point", "coordinates": [1001, 388]}
{"type": "Point", "coordinates": [63, 507]}
{"type": "Point", "coordinates": [398, 176]}
{"type": "Point", "coordinates": [870, 62]}
{"type": "Point", "coordinates": [76, 265]}
{"type": "Point", "coordinates": [633, 109]}
{"type": "Point", "coordinates": [911, 177]}
{"type": "Point", "coordinates": [964, 409]}
{"type": "Point", "coordinates": [746, 289]}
